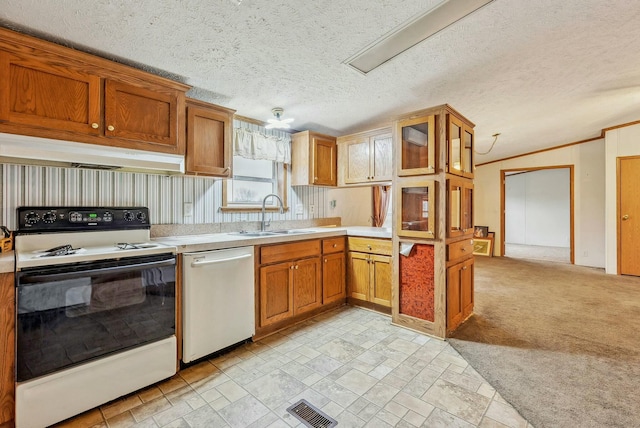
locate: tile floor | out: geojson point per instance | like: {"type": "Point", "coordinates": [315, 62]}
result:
{"type": "Point", "coordinates": [351, 363]}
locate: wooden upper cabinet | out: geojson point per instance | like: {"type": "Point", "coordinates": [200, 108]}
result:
{"type": "Point", "coordinates": [209, 139]}
{"type": "Point", "coordinates": [140, 114]}
{"type": "Point", "coordinates": [313, 159]}
{"type": "Point", "coordinates": [50, 91]}
{"type": "Point", "coordinates": [46, 91]}
{"type": "Point", "coordinates": [459, 147]}
{"type": "Point", "coordinates": [417, 145]}
{"type": "Point", "coordinates": [365, 158]}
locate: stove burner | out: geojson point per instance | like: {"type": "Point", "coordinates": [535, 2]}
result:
{"type": "Point", "coordinates": [139, 246]}
{"type": "Point", "coordinates": [58, 249]}
{"type": "Point", "coordinates": [63, 250]}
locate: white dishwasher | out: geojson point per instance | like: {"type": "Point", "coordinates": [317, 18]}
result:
{"type": "Point", "coordinates": [218, 300]}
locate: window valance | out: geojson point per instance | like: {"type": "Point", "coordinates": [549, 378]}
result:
{"type": "Point", "coordinates": [259, 144]}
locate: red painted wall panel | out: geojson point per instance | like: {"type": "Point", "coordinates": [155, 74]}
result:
{"type": "Point", "coordinates": [417, 283]}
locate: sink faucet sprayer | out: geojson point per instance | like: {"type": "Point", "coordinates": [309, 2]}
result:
{"type": "Point", "coordinates": [264, 225]}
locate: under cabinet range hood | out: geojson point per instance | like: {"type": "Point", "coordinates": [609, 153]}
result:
{"type": "Point", "coordinates": [44, 151]}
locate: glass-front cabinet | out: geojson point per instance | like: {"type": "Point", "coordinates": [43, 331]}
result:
{"type": "Point", "coordinates": [460, 208]}
{"type": "Point", "coordinates": [417, 154]}
{"type": "Point", "coordinates": [460, 147]}
{"type": "Point", "coordinates": [416, 209]}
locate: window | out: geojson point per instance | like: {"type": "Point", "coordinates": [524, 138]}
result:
{"type": "Point", "coordinates": [253, 179]}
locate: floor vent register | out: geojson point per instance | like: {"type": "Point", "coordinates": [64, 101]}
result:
{"type": "Point", "coordinates": [311, 416]}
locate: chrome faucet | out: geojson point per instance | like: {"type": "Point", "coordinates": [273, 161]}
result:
{"type": "Point", "coordinates": [264, 225]}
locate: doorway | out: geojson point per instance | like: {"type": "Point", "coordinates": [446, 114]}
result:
{"type": "Point", "coordinates": [537, 213]}
{"type": "Point", "coordinates": [628, 215]}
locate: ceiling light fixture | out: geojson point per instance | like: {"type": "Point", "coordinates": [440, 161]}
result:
{"type": "Point", "coordinates": [413, 32]}
{"type": "Point", "coordinates": [278, 123]}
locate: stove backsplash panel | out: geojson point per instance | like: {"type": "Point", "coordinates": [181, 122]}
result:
{"type": "Point", "coordinates": [164, 195]}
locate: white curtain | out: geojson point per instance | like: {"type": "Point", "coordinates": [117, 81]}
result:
{"type": "Point", "coordinates": [256, 142]}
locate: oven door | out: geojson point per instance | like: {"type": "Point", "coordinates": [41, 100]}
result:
{"type": "Point", "coordinates": [71, 314]}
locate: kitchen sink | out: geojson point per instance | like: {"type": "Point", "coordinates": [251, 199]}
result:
{"type": "Point", "coordinates": [254, 233]}
{"type": "Point", "coordinates": [270, 232]}
{"type": "Point", "coordinates": [291, 231]}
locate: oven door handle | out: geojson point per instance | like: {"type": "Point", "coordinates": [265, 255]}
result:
{"type": "Point", "coordinates": [35, 277]}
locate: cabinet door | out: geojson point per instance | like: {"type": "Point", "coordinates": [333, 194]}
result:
{"type": "Point", "coordinates": [208, 142]}
{"type": "Point", "coordinates": [417, 150]}
{"type": "Point", "coordinates": [466, 288]}
{"type": "Point", "coordinates": [381, 165]}
{"type": "Point", "coordinates": [454, 148]}
{"type": "Point", "coordinates": [454, 296]}
{"type": "Point", "coordinates": [276, 293]}
{"type": "Point", "coordinates": [49, 93]}
{"type": "Point", "coordinates": [459, 293]}
{"type": "Point", "coordinates": [381, 282]}
{"type": "Point", "coordinates": [415, 202]}
{"type": "Point", "coordinates": [358, 271]}
{"type": "Point", "coordinates": [7, 347]}
{"type": "Point", "coordinates": [333, 277]}
{"type": "Point", "coordinates": [142, 115]}
{"type": "Point", "coordinates": [324, 162]}
{"type": "Point", "coordinates": [307, 285]}
{"type": "Point", "coordinates": [355, 162]}
{"type": "Point", "coordinates": [459, 207]}
{"type": "Point", "coordinates": [467, 151]}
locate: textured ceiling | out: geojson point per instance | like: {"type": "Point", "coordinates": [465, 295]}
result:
{"type": "Point", "coordinates": [543, 73]}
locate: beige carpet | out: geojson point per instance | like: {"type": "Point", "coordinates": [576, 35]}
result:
{"type": "Point", "coordinates": [561, 343]}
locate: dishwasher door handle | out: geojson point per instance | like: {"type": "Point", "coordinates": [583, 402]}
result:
{"type": "Point", "coordinates": [198, 263]}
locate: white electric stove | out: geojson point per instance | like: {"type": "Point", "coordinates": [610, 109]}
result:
{"type": "Point", "coordinates": [95, 305]}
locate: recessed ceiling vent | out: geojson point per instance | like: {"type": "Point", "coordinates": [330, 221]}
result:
{"type": "Point", "coordinates": [413, 32]}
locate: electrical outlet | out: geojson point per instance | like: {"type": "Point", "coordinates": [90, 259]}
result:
{"type": "Point", "coordinates": [187, 209]}
{"type": "Point", "coordinates": [312, 209]}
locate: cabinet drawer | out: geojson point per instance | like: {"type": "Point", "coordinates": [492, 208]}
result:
{"type": "Point", "coordinates": [333, 245]}
{"type": "Point", "coordinates": [369, 245]}
{"type": "Point", "coordinates": [460, 249]}
{"type": "Point", "coordinates": [294, 250]}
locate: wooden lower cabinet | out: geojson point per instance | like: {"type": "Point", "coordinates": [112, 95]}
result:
{"type": "Point", "coordinates": [333, 277]}
{"type": "Point", "coordinates": [381, 281]}
{"type": "Point", "coordinates": [459, 293]}
{"type": "Point", "coordinates": [370, 277]}
{"type": "Point", "coordinates": [276, 293]}
{"type": "Point", "coordinates": [299, 278]}
{"type": "Point", "coordinates": [7, 347]}
{"type": "Point", "coordinates": [369, 266]}
{"type": "Point", "coordinates": [307, 285]}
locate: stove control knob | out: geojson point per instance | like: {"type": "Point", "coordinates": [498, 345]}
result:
{"type": "Point", "coordinates": [49, 217]}
{"type": "Point", "coordinates": [141, 216]}
{"type": "Point", "coordinates": [128, 216]}
{"type": "Point", "coordinates": [31, 218]}
{"type": "Point", "coordinates": [75, 216]}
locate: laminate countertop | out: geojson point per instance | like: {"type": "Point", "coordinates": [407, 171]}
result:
{"type": "Point", "coordinates": [6, 262]}
{"type": "Point", "coordinates": [218, 241]}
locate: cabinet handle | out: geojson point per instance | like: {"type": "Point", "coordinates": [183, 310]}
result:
{"type": "Point", "coordinates": [464, 268]}
{"type": "Point", "coordinates": [335, 245]}
{"type": "Point", "coordinates": [625, 217]}
{"type": "Point", "coordinates": [297, 266]}
{"type": "Point", "coordinates": [291, 267]}
{"type": "Point", "coordinates": [369, 246]}
{"type": "Point", "coordinates": [111, 128]}
{"type": "Point", "coordinates": [325, 260]}
{"type": "Point", "coordinates": [463, 249]}
{"type": "Point", "coordinates": [94, 125]}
